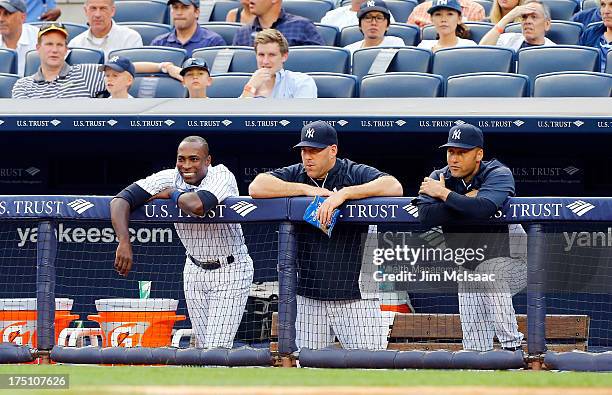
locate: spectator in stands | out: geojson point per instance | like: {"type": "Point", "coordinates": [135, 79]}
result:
{"type": "Point", "coordinates": [42, 10]}
{"type": "Point", "coordinates": [14, 33]}
{"type": "Point", "coordinates": [196, 78]}
{"type": "Point", "coordinates": [446, 17]}
{"type": "Point", "coordinates": [470, 10]}
{"type": "Point", "coordinates": [103, 33]}
{"type": "Point", "coordinates": [374, 20]}
{"type": "Point", "coordinates": [241, 14]}
{"type": "Point", "coordinates": [57, 79]}
{"type": "Point", "coordinates": [586, 17]}
{"type": "Point", "coordinates": [270, 79]}
{"type": "Point", "coordinates": [270, 14]}
{"type": "Point", "coordinates": [600, 35]}
{"type": "Point", "coordinates": [119, 74]}
{"type": "Point", "coordinates": [535, 23]}
{"type": "Point", "coordinates": [342, 17]}
{"type": "Point", "coordinates": [501, 8]}
{"type": "Point", "coordinates": [187, 34]}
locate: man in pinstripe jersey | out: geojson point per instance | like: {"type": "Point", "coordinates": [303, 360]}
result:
{"type": "Point", "coordinates": [218, 269]}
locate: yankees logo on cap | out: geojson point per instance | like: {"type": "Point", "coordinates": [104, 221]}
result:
{"type": "Point", "coordinates": [120, 64]}
{"type": "Point", "coordinates": [373, 5]}
{"type": "Point", "coordinates": [318, 134]}
{"type": "Point", "coordinates": [464, 136]}
{"type": "Point", "coordinates": [450, 4]}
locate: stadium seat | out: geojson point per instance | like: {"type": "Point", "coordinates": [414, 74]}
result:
{"type": "Point", "coordinates": [243, 60]}
{"type": "Point", "coordinates": [221, 9]}
{"type": "Point", "coordinates": [609, 63]}
{"type": "Point", "coordinates": [477, 31]}
{"type": "Point", "coordinates": [539, 60]}
{"type": "Point", "coordinates": [409, 33]}
{"type": "Point", "coordinates": [402, 85]}
{"type": "Point", "coordinates": [487, 85]}
{"type": "Point", "coordinates": [227, 30]}
{"type": "Point", "coordinates": [401, 9]}
{"type": "Point", "coordinates": [562, 9]}
{"type": "Point", "coordinates": [587, 4]}
{"type": "Point", "coordinates": [153, 54]}
{"type": "Point", "coordinates": [317, 58]}
{"type": "Point", "coordinates": [75, 56]}
{"type": "Point", "coordinates": [8, 61]}
{"type": "Point", "coordinates": [461, 60]}
{"type": "Point", "coordinates": [148, 30]}
{"type": "Point", "coordinates": [487, 5]}
{"type": "Point", "coordinates": [330, 34]}
{"type": "Point", "coordinates": [7, 81]}
{"type": "Point", "coordinates": [163, 87]}
{"type": "Point", "coordinates": [309, 9]}
{"type": "Point", "coordinates": [142, 11]}
{"type": "Point", "coordinates": [573, 84]}
{"type": "Point", "coordinates": [335, 85]}
{"type": "Point", "coordinates": [407, 59]}
{"type": "Point", "coordinates": [74, 29]}
{"type": "Point", "coordinates": [561, 32]}
{"type": "Point", "coordinates": [228, 85]}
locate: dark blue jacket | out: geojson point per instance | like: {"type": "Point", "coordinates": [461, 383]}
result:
{"type": "Point", "coordinates": [587, 17]}
{"type": "Point", "coordinates": [591, 37]}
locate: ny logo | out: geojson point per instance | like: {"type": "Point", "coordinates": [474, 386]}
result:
{"type": "Point", "coordinates": [114, 59]}
{"type": "Point", "coordinates": [456, 134]}
{"type": "Point", "coordinates": [442, 2]}
{"type": "Point", "coordinates": [371, 3]}
{"type": "Point", "coordinates": [310, 133]}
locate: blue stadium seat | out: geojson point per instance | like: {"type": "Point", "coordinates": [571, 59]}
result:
{"type": "Point", "coordinates": [573, 84]}
{"type": "Point", "coordinates": [330, 34]}
{"type": "Point", "coordinates": [75, 56]}
{"type": "Point", "coordinates": [335, 85]}
{"type": "Point", "coordinates": [587, 4]}
{"type": "Point", "coordinates": [228, 85]}
{"type": "Point", "coordinates": [539, 60]}
{"type": "Point", "coordinates": [401, 9]}
{"type": "Point", "coordinates": [74, 29]}
{"type": "Point", "coordinates": [8, 61]}
{"type": "Point", "coordinates": [407, 59]}
{"type": "Point", "coordinates": [609, 63]}
{"type": "Point", "coordinates": [164, 87]}
{"type": "Point", "coordinates": [562, 9]}
{"type": "Point", "coordinates": [487, 5]}
{"type": "Point", "coordinates": [7, 81]}
{"type": "Point", "coordinates": [244, 60]}
{"type": "Point", "coordinates": [487, 85]}
{"type": "Point", "coordinates": [409, 33]}
{"type": "Point", "coordinates": [461, 60]}
{"type": "Point", "coordinates": [148, 30]}
{"type": "Point", "coordinates": [227, 30]}
{"type": "Point", "coordinates": [402, 85]}
{"type": "Point", "coordinates": [477, 31]}
{"type": "Point", "coordinates": [142, 11]}
{"type": "Point", "coordinates": [309, 9]}
{"type": "Point", "coordinates": [318, 58]}
{"type": "Point", "coordinates": [153, 54]}
{"type": "Point", "coordinates": [221, 9]}
{"type": "Point", "coordinates": [561, 32]}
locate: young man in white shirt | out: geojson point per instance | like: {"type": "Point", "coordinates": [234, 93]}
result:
{"type": "Point", "coordinates": [15, 33]}
{"type": "Point", "coordinates": [342, 17]}
{"type": "Point", "coordinates": [103, 33]}
{"type": "Point", "coordinates": [374, 20]}
{"type": "Point", "coordinates": [119, 75]}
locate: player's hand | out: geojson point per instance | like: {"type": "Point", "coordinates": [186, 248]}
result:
{"type": "Point", "coordinates": [434, 188]}
{"type": "Point", "coordinates": [123, 258]}
{"type": "Point", "coordinates": [326, 209]}
{"type": "Point", "coordinates": [472, 193]}
{"type": "Point", "coordinates": [51, 15]}
{"type": "Point", "coordinates": [260, 76]}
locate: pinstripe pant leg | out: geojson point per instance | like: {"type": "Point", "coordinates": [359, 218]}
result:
{"type": "Point", "coordinates": [476, 322]}
{"type": "Point", "coordinates": [359, 324]}
{"type": "Point", "coordinates": [195, 290]}
{"type": "Point", "coordinates": [312, 324]}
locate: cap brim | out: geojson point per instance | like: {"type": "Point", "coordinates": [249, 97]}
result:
{"type": "Point", "coordinates": [431, 10]}
{"type": "Point", "coordinates": [458, 145]}
{"type": "Point", "coordinates": [310, 144]}
{"type": "Point", "coordinates": [55, 29]}
{"type": "Point", "coordinates": [8, 7]}
{"type": "Point", "coordinates": [111, 66]}
{"type": "Point", "coordinates": [186, 69]}
{"type": "Point", "coordinates": [375, 8]}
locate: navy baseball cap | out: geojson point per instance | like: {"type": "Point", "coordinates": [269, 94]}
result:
{"type": "Point", "coordinates": [373, 5]}
{"type": "Point", "coordinates": [14, 5]}
{"type": "Point", "coordinates": [438, 4]}
{"type": "Point", "coordinates": [194, 63]}
{"type": "Point", "coordinates": [119, 63]}
{"type": "Point", "coordinates": [195, 3]}
{"type": "Point", "coordinates": [464, 136]}
{"type": "Point", "coordinates": [318, 134]}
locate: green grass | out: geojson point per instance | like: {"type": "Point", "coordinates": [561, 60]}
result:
{"type": "Point", "coordinates": [171, 375]}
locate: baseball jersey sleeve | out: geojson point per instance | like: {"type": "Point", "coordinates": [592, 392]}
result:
{"type": "Point", "coordinates": [288, 174]}
{"type": "Point", "coordinates": [221, 183]}
{"type": "Point", "coordinates": [363, 173]}
{"type": "Point", "coordinates": [498, 186]}
{"type": "Point", "coordinates": [159, 181]}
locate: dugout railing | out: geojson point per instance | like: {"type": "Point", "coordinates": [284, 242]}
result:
{"type": "Point", "coordinates": [539, 217]}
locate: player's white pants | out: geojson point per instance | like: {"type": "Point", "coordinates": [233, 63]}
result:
{"type": "Point", "coordinates": [216, 300]}
{"type": "Point", "coordinates": [358, 324]}
{"type": "Point", "coordinates": [486, 308]}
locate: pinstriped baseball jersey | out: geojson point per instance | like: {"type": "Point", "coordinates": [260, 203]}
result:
{"type": "Point", "coordinates": [204, 241]}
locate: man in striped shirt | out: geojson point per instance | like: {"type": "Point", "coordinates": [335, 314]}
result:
{"type": "Point", "coordinates": [57, 79]}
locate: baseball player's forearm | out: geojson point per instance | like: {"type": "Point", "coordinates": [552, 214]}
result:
{"type": "Point", "coordinates": [382, 186]}
{"type": "Point", "coordinates": [267, 186]}
{"type": "Point", "coordinates": [120, 218]}
{"type": "Point", "coordinates": [471, 207]}
{"type": "Point", "coordinates": [434, 214]}
{"type": "Point", "coordinates": [197, 203]}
